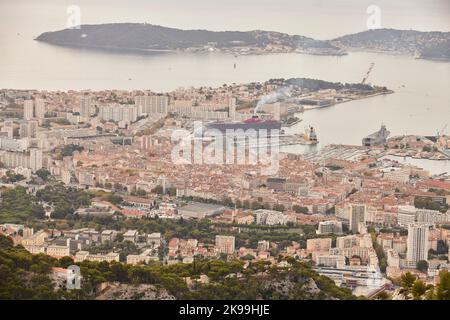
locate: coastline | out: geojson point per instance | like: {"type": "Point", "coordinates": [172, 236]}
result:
{"type": "Point", "coordinates": [105, 48]}
{"type": "Point", "coordinates": [396, 54]}
{"type": "Point", "coordinates": [253, 51]}
{"type": "Point", "coordinates": [388, 91]}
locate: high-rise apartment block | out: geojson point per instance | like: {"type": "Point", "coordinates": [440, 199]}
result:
{"type": "Point", "coordinates": [28, 109]}
{"type": "Point", "coordinates": [152, 104]}
{"type": "Point", "coordinates": [357, 214]}
{"type": "Point", "coordinates": [417, 245]}
{"type": "Point", "coordinates": [225, 244]}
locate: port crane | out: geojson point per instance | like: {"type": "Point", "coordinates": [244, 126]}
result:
{"type": "Point", "coordinates": [440, 133]}
{"type": "Point", "coordinates": [368, 73]}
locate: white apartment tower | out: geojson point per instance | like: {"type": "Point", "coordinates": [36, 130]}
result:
{"type": "Point", "coordinates": [31, 160]}
{"type": "Point", "coordinates": [417, 245]}
{"type": "Point", "coordinates": [40, 108]}
{"type": "Point", "coordinates": [32, 128]}
{"type": "Point", "coordinates": [117, 112]}
{"type": "Point", "coordinates": [232, 108]}
{"type": "Point", "coordinates": [35, 159]}
{"type": "Point", "coordinates": [85, 106]}
{"type": "Point", "coordinates": [357, 215]}
{"type": "Point", "coordinates": [406, 215]}
{"type": "Point", "coordinates": [23, 130]}
{"type": "Point", "coordinates": [225, 244]}
{"type": "Point", "coordinates": [28, 109]}
{"type": "Point", "coordinates": [8, 128]}
{"type": "Point", "coordinates": [29, 129]}
{"type": "Point", "coordinates": [152, 104]}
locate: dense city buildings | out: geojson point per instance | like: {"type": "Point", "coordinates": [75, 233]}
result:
{"type": "Point", "coordinates": [368, 214]}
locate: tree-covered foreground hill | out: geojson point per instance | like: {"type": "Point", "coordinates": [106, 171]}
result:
{"type": "Point", "coordinates": [27, 276]}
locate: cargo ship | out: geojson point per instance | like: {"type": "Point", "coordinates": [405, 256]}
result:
{"type": "Point", "coordinates": [377, 138]}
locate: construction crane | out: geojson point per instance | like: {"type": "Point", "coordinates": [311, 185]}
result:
{"type": "Point", "coordinates": [368, 72]}
{"type": "Point", "coordinates": [439, 133]}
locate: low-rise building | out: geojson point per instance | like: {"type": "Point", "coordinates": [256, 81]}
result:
{"type": "Point", "coordinates": [58, 251]}
{"type": "Point", "coordinates": [318, 245]}
{"type": "Point", "coordinates": [130, 235]}
{"type": "Point", "coordinates": [80, 256]}
{"type": "Point", "coordinates": [108, 236]}
{"type": "Point", "coordinates": [327, 227]}
{"type": "Point", "coordinates": [154, 239]}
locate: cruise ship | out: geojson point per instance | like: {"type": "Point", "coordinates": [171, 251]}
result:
{"type": "Point", "coordinates": [255, 123]}
{"type": "Point", "coordinates": [361, 278]}
{"type": "Point", "coordinates": [376, 138]}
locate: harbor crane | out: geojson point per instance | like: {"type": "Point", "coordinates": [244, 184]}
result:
{"type": "Point", "coordinates": [440, 133]}
{"type": "Point", "coordinates": [368, 73]}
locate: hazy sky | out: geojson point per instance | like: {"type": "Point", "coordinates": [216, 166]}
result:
{"type": "Point", "coordinates": [315, 18]}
